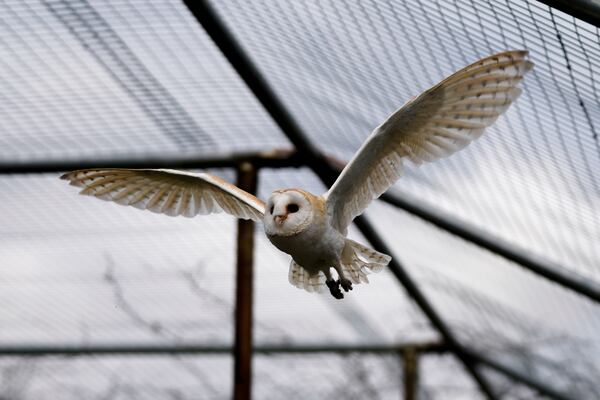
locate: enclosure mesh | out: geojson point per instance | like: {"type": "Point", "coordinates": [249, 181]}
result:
{"type": "Point", "coordinates": [119, 79]}
{"type": "Point", "coordinates": [498, 308]}
{"type": "Point", "coordinates": [342, 66]}
{"type": "Point", "coordinates": [132, 79]}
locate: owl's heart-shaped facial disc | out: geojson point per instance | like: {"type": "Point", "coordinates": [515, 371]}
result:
{"type": "Point", "coordinates": [287, 213]}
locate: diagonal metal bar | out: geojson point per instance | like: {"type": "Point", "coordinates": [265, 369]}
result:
{"type": "Point", "coordinates": [415, 292]}
{"type": "Point", "coordinates": [554, 272]}
{"type": "Point", "coordinates": [234, 53]}
{"type": "Point", "coordinates": [551, 271]}
{"type": "Point", "coordinates": [585, 10]}
{"type": "Point", "coordinates": [467, 355]}
{"type": "Point", "coordinates": [253, 78]}
{"type": "Point", "coordinates": [539, 384]}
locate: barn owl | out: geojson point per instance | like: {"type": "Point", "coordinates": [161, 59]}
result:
{"type": "Point", "coordinates": [313, 228]}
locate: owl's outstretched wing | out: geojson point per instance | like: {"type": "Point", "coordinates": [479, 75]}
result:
{"type": "Point", "coordinates": [168, 192]}
{"type": "Point", "coordinates": [435, 124]}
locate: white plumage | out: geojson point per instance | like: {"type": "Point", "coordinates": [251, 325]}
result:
{"type": "Point", "coordinates": [435, 124]}
{"type": "Point", "coordinates": [168, 191]}
{"type": "Point", "coordinates": [312, 229]}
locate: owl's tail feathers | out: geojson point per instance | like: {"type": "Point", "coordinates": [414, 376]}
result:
{"type": "Point", "coordinates": [358, 261]}
{"type": "Point", "coordinates": [302, 279]}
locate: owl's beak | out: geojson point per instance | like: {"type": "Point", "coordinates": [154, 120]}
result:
{"type": "Point", "coordinates": [279, 219]}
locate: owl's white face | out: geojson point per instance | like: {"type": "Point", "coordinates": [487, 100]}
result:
{"type": "Point", "coordinates": [288, 212]}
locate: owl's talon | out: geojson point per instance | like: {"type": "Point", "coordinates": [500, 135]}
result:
{"type": "Point", "coordinates": [334, 288]}
{"type": "Point", "coordinates": [331, 283]}
{"type": "Point", "coordinates": [346, 284]}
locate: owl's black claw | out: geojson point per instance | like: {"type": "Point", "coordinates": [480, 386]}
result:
{"type": "Point", "coordinates": [332, 284]}
{"type": "Point", "coordinates": [334, 288]}
{"type": "Point", "coordinates": [346, 284]}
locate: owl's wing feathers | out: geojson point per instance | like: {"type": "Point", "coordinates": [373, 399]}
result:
{"type": "Point", "coordinates": [435, 124]}
{"type": "Point", "coordinates": [168, 192]}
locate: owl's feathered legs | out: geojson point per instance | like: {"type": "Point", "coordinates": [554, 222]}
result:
{"type": "Point", "coordinates": [334, 288]}
{"type": "Point", "coordinates": [334, 285]}
{"type": "Point", "coordinates": [345, 282]}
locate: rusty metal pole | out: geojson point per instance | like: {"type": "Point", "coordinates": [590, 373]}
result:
{"type": "Point", "coordinates": [242, 387]}
{"type": "Point", "coordinates": [410, 363]}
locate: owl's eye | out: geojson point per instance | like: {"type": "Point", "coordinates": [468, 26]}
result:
{"type": "Point", "coordinates": [292, 208]}
{"type": "Point", "coordinates": [271, 209]}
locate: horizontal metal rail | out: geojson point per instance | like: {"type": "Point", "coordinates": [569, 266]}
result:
{"type": "Point", "coordinates": [36, 350]}
{"type": "Point", "coordinates": [272, 159]}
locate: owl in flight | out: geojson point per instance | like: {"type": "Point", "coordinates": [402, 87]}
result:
{"type": "Point", "coordinates": [312, 228]}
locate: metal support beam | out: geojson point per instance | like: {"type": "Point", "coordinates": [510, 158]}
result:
{"type": "Point", "coordinates": [585, 10]}
{"type": "Point", "coordinates": [410, 364]}
{"type": "Point", "coordinates": [99, 350]}
{"type": "Point", "coordinates": [208, 17]}
{"type": "Point", "coordinates": [247, 177]}
{"type": "Point", "coordinates": [82, 350]}
{"type": "Point", "coordinates": [273, 159]}
{"type": "Point", "coordinates": [553, 272]}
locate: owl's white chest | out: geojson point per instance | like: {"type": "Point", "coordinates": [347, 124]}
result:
{"type": "Point", "coordinates": [317, 247]}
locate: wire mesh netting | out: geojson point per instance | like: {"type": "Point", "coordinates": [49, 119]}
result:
{"type": "Point", "coordinates": [117, 80]}
{"type": "Point", "coordinates": [344, 66]}
{"type": "Point", "coordinates": [498, 308]}
{"type": "Point", "coordinates": [133, 79]}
